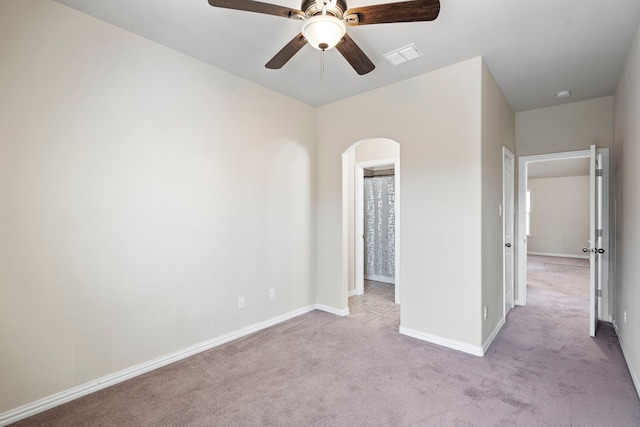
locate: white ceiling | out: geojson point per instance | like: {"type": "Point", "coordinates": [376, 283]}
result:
{"type": "Point", "coordinates": [534, 48]}
{"type": "Point", "coordinates": [558, 168]}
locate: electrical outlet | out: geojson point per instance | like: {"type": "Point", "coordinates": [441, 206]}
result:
{"type": "Point", "coordinates": [272, 293]}
{"type": "Point", "coordinates": [486, 312]}
{"type": "Point", "coordinates": [241, 302]}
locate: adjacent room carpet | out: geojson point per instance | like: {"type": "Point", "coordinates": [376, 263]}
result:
{"type": "Point", "coordinates": [543, 369]}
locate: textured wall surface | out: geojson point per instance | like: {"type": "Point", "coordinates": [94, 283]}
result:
{"type": "Point", "coordinates": [136, 205]}
{"type": "Point", "coordinates": [559, 215]}
{"type": "Point", "coordinates": [436, 120]}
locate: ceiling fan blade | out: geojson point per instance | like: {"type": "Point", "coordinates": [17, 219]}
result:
{"type": "Point", "coordinates": [404, 11]}
{"type": "Point", "coordinates": [355, 56]}
{"type": "Point", "coordinates": [258, 7]}
{"type": "Point", "coordinates": [287, 52]}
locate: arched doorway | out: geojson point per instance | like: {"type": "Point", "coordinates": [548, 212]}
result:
{"type": "Point", "coordinates": [361, 162]}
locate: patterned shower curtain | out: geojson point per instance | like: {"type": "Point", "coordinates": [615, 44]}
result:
{"type": "Point", "coordinates": [379, 227]}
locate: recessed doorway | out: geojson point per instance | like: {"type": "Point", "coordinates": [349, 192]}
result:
{"type": "Point", "coordinates": [563, 216]}
{"type": "Point", "coordinates": [371, 206]}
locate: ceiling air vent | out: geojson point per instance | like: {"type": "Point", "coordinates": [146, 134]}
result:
{"type": "Point", "coordinates": [403, 54]}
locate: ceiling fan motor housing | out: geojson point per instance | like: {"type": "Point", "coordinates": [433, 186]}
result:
{"type": "Point", "coordinates": [311, 8]}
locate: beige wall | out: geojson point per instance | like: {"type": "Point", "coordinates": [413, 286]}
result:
{"type": "Point", "coordinates": [498, 130]}
{"type": "Point", "coordinates": [137, 204]}
{"type": "Point", "coordinates": [559, 216]}
{"type": "Point", "coordinates": [376, 149]}
{"type": "Point", "coordinates": [436, 119]}
{"type": "Point", "coordinates": [627, 159]}
{"type": "Point", "coordinates": [568, 127]}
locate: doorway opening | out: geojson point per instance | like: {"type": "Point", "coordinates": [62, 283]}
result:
{"type": "Point", "coordinates": [371, 205]}
{"type": "Point", "coordinates": [379, 224]}
{"type": "Point", "coordinates": [563, 230]}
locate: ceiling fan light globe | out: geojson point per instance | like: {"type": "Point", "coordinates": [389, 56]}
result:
{"type": "Point", "coordinates": [323, 31]}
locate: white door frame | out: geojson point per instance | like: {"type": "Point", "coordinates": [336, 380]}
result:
{"type": "Point", "coordinates": [508, 210]}
{"type": "Point", "coordinates": [521, 275]}
{"type": "Point", "coordinates": [359, 221]}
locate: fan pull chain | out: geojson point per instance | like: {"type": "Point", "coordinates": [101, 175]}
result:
{"type": "Point", "coordinates": [322, 64]}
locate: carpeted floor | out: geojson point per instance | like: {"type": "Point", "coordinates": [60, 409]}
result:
{"type": "Point", "coordinates": [318, 369]}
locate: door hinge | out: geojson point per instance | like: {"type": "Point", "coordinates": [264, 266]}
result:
{"type": "Point", "coordinates": [598, 172]}
{"type": "Point", "coordinates": [599, 292]}
{"type": "Point", "coordinates": [599, 232]}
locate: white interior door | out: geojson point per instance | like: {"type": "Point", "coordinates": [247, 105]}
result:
{"type": "Point", "coordinates": [602, 231]}
{"type": "Point", "coordinates": [508, 277]}
{"type": "Point", "coordinates": [593, 242]}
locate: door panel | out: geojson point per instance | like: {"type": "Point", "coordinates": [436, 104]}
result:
{"type": "Point", "coordinates": [601, 230]}
{"type": "Point", "coordinates": [508, 187]}
{"type": "Point", "coordinates": [593, 243]}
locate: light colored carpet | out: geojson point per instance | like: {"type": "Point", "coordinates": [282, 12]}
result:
{"type": "Point", "coordinates": [323, 370]}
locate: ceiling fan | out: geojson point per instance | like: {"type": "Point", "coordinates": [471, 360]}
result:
{"type": "Point", "coordinates": [324, 24]}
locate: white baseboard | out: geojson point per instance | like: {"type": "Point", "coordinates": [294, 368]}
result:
{"type": "Point", "coordinates": [338, 312]}
{"type": "Point", "coordinates": [623, 346]}
{"type": "Point", "coordinates": [352, 293]}
{"type": "Point", "coordinates": [444, 342]}
{"type": "Point", "coordinates": [559, 255]}
{"type": "Point", "coordinates": [493, 336]}
{"type": "Point", "coordinates": [68, 395]}
{"type": "Point", "coordinates": [383, 279]}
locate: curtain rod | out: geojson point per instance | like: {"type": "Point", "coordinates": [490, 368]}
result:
{"type": "Point", "coordinates": [380, 176]}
